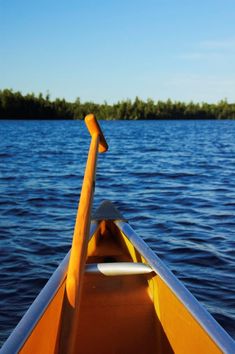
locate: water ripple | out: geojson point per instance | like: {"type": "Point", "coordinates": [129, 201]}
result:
{"type": "Point", "coordinates": [175, 184]}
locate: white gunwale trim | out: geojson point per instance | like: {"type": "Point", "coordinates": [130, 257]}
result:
{"type": "Point", "coordinates": [203, 317]}
{"type": "Point", "coordinates": [26, 325]}
{"type": "Point", "coordinates": [118, 268]}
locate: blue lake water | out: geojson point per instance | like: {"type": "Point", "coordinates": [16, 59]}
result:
{"type": "Point", "coordinates": [173, 180]}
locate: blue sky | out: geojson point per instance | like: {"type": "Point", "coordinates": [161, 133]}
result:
{"type": "Point", "coordinates": [109, 50]}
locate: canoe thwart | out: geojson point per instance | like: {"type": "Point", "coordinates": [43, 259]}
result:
{"type": "Point", "coordinates": [118, 268]}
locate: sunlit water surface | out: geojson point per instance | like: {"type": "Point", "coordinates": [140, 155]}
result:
{"type": "Point", "coordinates": [173, 180]}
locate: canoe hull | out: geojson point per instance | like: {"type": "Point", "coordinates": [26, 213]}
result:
{"type": "Point", "coordinates": [132, 313]}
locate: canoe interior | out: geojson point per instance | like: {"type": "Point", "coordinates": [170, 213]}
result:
{"type": "Point", "coordinates": [122, 314]}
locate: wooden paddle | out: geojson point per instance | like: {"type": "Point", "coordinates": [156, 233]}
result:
{"type": "Point", "coordinates": [70, 312]}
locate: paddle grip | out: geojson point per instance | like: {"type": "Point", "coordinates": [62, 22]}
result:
{"type": "Point", "coordinates": [94, 128]}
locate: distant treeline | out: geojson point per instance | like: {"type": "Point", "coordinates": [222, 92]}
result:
{"type": "Point", "coordinates": [14, 105]}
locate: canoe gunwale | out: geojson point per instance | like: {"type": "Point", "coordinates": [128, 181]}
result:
{"type": "Point", "coordinates": [202, 316]}
{"type": "Point", "coordinates": [29, 320]}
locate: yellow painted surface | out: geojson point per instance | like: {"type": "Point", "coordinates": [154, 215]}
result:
{"type": "Point", "coordinates": [182, 330]}
{"type": "Point", "coordinates": [44, 336]}
{"type": "Point", "coordinates": [122, 314]}
{"type": "Point", "coordinates": [184, 333]}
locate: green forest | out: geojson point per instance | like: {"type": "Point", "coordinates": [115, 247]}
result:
{"type": "Point", "coordinates": [15, 105]}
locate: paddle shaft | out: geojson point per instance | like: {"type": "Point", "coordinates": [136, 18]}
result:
{"type": "Point", "coordinates": [82, 227]}
{"type": "Point", "coordinates": [74, 281]}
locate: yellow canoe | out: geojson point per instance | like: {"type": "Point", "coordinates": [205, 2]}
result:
{"type": "Point", "coordinates": [126, 301]}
